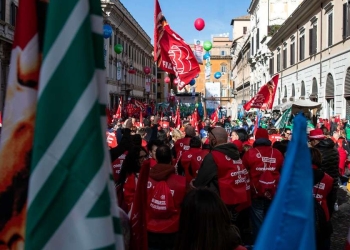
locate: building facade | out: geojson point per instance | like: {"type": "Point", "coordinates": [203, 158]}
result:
{"type": "Point", "coordinates": [220, 61]}
{"type": "Point", "coordinates": [125, 74]}
{"type": "Point", "coordinates": [240, 51]}
{"type": "Point", "coordinates": [8, 14]}
{"type": "Point", "coordinates": [312, 55]}
{"type": "Point", "coordinates": [266, 18]}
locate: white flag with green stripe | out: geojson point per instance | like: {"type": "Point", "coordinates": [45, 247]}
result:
{"type": "Point", "coordinates": [71, 200]}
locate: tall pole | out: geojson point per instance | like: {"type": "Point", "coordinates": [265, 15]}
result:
{"type": "Point", "coordinates": [156, 73]}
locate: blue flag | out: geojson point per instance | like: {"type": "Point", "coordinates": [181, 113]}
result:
{"type": "Point", "coordinates": [289, 224]}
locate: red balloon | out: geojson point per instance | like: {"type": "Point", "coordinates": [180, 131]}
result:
{"type": "Point", "coordinates": [147, 70]}
{"type": "Point", "coordinates": [167, 79]}
{"type": "Point", "coordinates": [199, 24]}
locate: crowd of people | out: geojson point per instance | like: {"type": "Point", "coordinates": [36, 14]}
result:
{"type": "Point", "coordinates": [209, 187]}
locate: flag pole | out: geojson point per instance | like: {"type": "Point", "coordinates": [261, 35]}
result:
{"type": "Point", "coordinates": [156, 73]}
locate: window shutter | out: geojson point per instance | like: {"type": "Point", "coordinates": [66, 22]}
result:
{"type": "Point", "coordinates": [310, 41]}
{"type": "Point", "coordinates": [252, 46]}
{"type": "Point", "coordinates": [257, 40]}
{"type": "Point", "coordinates": [330, 29]}
{"type": "Point", "coordinates": [301, 48]}
{"type": "Point", "coordinates": [278, 62]}
{"type": "Point", "coordinates": [314, 39]}
{"type": "Point", "coordinates": [345, 22]}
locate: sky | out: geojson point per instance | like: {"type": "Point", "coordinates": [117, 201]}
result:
{"type": "Point", "coordinates": [181, 15]}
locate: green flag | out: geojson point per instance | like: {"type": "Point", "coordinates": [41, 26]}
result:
{"type": "Point", "coordinates": [71, 200]}
{"type": "Point", "coordinates": [282, 121]}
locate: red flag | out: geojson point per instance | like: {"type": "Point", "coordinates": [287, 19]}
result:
{"type": "Point", "coordinates": [18, 121]}
{"type": "Point", "coordinates": [138, 219]}
{"type": "Point", "coordinates": [265, 97]}
{"type": "Point", "coordinates": [177, 118]}
{"type": "Point", "coordinates": [171, 52]}
{"type": "Point", "coordinates": [215, 116]}
{"type": "Point", "coordinates": [118, 114]}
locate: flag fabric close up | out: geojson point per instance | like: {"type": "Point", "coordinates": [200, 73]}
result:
{"type": "Point", "coordinates": [265, 97]}
{"type": "Point", "coordinates": [71, 199]}
{"type": "Point", "coordinates": [18, 121]}
{"type": "Point", "coordinates": [171, 52]}
{"type": "Point", "coordinates": [290, 222]}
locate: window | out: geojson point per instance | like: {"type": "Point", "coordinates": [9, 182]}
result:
{"type": "Point", "coordinates": [245, 30]}
{"type": "Point", "coordinates": [285, 58]}
{"type": "Point", "coordinates": [272, 66]}
{"type": "Point", "coordinates": [13, 14]}
{"type": "Point", "coordinates": [223, 68]}
{"type": "Point", "coordinates": [330, 29]}
{"type": "Point", "coordinates": [252, 46]}
{"type": "Point", "coordinates": [2, 9]}
{"type": "Point", "coordinates": [346, 20]}
{"type": "Point", "coordinates": [292, 54]}
{"type": "Point", "coordinates": [313, 40]}
{"type": "Point", "coordinates": [278, 62]}
{"type": "Point", "coordinates": [302, 48]}
{"type": "Point", "coordinates": [285, 91]}
{"type": "Point", "coordinates": [257, 40]}
{"type": "Point", "coordinates": [223, 53]}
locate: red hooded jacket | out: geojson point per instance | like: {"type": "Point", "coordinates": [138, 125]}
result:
{"type": "Point", "coordinates": [321, 191]}
{"type": "Point", "coordinates": [260, 159]}
{"type": "Point", "coordinates": [186, 162]}
{"type": "Point", "coordinates": [177, 186]}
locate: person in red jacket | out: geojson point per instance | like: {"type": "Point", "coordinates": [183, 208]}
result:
{"type": "Point", "coordinates": [264, 164]}
{"type": "Point", "coordinates": [205, 223]}
{"type": "Point", "coordinates": [165, 193]}
{"type": "Point", "coordinates": [128, 177]}
{"type": "Point", "coordinates": [198, 157]}
{"type": "Point", "coordinates": [223, 172]}
{"type": "Point", "coordinates": [184, 143]}
{"type": "Point", "coordinates": [184, 166]}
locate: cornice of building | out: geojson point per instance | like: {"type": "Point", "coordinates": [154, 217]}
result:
{"type": "Point", "coordinates": [252, 6]}
{"type": "Point", "coordinates": [119, 6]}
{"type": "Point", "coordinates": [300, 16]}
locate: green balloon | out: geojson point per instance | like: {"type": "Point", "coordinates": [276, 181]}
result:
{"type": "Point", "coordinates": [118, 48]}
{"type": "Point", "coordinates": [207, 45]}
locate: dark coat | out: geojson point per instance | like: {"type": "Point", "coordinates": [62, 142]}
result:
{"type": "Point", "coordinates": [330, 165]}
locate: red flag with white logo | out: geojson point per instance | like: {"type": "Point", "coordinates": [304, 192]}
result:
{"type": "Point", "coordinates": [171, 52]}
{"type": "Point", "coordinates": [215, 117]}
{"type": "Point", "coordinates": [265, 97]}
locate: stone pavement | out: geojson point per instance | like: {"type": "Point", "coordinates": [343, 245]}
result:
{"type": "Point", "coordinates": [341, 220]}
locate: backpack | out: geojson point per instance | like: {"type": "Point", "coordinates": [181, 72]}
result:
{"type": "Point", "coordinates": [161, 203]}
{"type": "Point", "coordinates": [267, 183]}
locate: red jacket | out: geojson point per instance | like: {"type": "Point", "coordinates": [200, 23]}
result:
{"type": "Point", "coordinates": [233, 179]}
{"type": "Point", "coordinates": [177, 185]}
{"type": "Point", "coordinates": [196, 161]}
{"type": "Point", "coordinates": [321, 191]}
{"type": "Point", "coordinates": [260, 159]}
{"type": "Point", "coordinates": [129, 190]}
{"type": "Point", "coordinates": [182, 144]}
{"type": "Point", "coordinates": [186, 162]}
{"type": "Point", "coordinates": [117, 165]}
